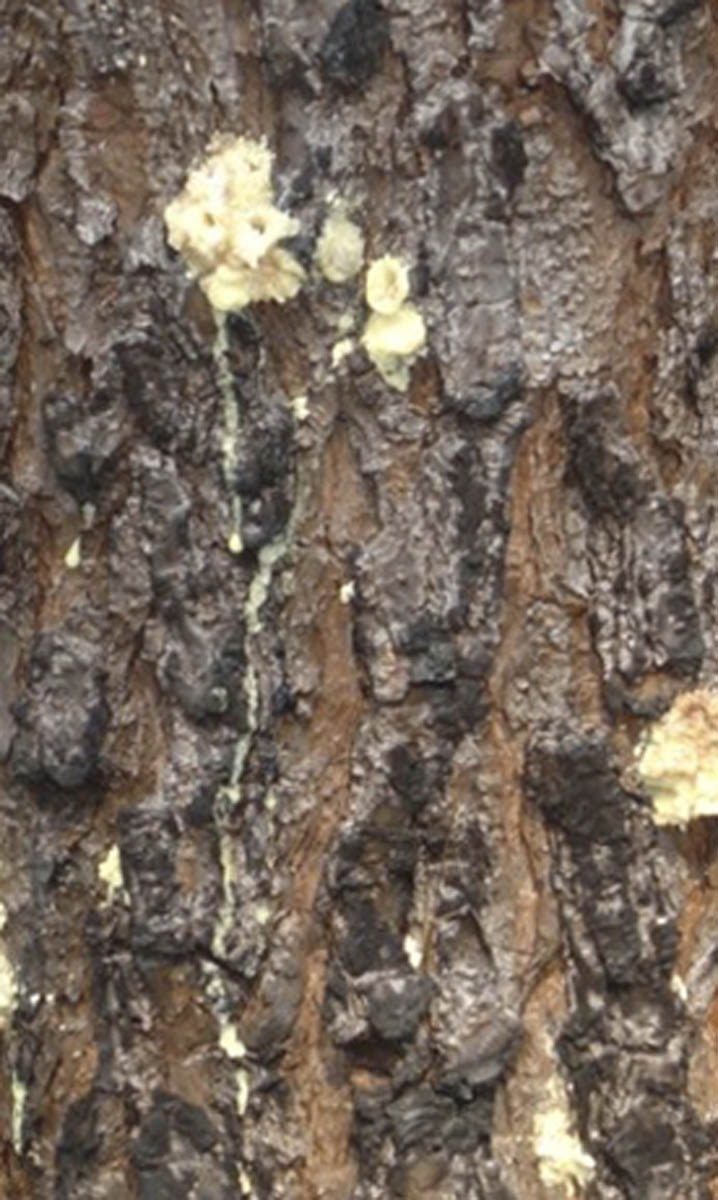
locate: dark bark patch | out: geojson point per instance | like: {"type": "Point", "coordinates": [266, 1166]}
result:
{"type": "Point", "coordinates": [264, 518]}
{"type": "Point", "coordinates": [372, 1122]}
{"type": "Point", "coordinates": [264, 456]}
{"type": "Point", "coordinates": [482, 1060]}
{"type": "Point", "coordinates": [417, 1119]}
{"type": "Point", "coordinates": [266, 1032]}
{"type": "Point", "coordinates": [376, 853]}
{"type": "Point", "coordinates": [62, 716]}
{"type": "Point", "coordinates": [369, 942]}
{"type": "Point", "coordinates": [192, 1123]}
{"type": "Point", "coordinates": [415, 780]}
{"type": "Point", "coordinates": [508, 156]}
{"type": "Point", "coordinates": [707, 343]}
{"type": "Point", "coordinates": [488, 400]}
{"type": "Point", "coordinates": [10, 510]}
{"type": "Point", "coordinates": [603, 474]}
{"type": "Point", "coordinates": [354, 45]}
{"type": "Point", "coordinates": [78, 1145]}
{"type": "Point", "coordinates": [397, 1005]}
{"type": "Point", "coordinates": [285, 68]}
{"type": "Point", "coordinates": [160, 1185]}
{"type": "Point", "coordinates": [171, 391]}
{"type": "Point", "coordinates": [244, 344]}
{"type": "Point", "coordinates": [468, 481]}
{"type": "Point", "coordinates": [573, 784]}
{"type": "Point", "coordinates": [162, 922]}
{"type": "Point", "coordinates": [576, 788]}
{"type": "Point", "coordinates": [642, 85]}
{"type": "Point", "coordinates": [654, 1144]}
{"type": "Point", "coordinates": [83, 439]}
{"type": "Point", "coordinates": [424, 1121]}
{"type": "Point", "coordinates": [370, 879]}
{"type": "Point", "coordinates": [431, 652]}
{"type": "Point", "coordinates": [209, 686]}
{"type": "Point", "coordinates": [152, 1144]}
{"type": "Point", "coordinates": [663, 570]}
{"type": "Point", "coordinates": [188, 1120]}
{"type": "Point", "coordinates": [458, 708]}
{"type": "Point", "coordinates": [645, 1142]}
{"type": "Point", "coordinates": [675, 9]}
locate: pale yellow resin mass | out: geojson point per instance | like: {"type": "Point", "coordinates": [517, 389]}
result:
{"type": "Point", "coordinates": [678, 763]}
{"type": "Point", "coordinates": [226, 226]}
{"type": "Point", "coordinates": [395, 332]}
{"type": "Point", "coordinates": [340, 249]}
{"type": "Point", "coordinates": [562, 1161]}
{"type": "Point", "coordinates": [387, 284]}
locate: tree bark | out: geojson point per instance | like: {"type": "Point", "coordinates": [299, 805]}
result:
{"type": "Point", "coordinates": [323, 876]}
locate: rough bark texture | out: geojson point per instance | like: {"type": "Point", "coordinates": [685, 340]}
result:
{"type": "Point", "coordinates": [380, 834]}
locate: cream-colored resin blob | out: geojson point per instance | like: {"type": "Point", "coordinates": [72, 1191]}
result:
{"type": "Point", "coordinates": [226, 226]}
{"type": "Point", "coordinates": [678, 763]}
{"type": "Point", "coordinates": [395, 332]}
{"type": "Point", "coordinates": [562, 1161]}
{"type": "Point", "coordinates": [340, 249]}
{"type": "Point", "coordinates": [387, 284]}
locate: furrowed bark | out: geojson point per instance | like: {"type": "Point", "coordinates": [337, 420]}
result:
{"type": "Point", "coordinates": [324, 873]}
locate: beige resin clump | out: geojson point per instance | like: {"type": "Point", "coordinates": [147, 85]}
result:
{"type": "Point", "coordinates": [387, 285]}
{"type": "Point", "coordinates": [678, 765]}
{"type": "Point", "coordinates": [395, 332]}
{"type": "Point", "coordinates": [562, 1161]}
{"type": "Point", "coordinates": [340, 249]}
{"type": "Point", "coordinates": [225, 224]}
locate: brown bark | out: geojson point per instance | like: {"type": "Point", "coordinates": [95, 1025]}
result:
{"type": "Point", "coordinates": [322, 877]}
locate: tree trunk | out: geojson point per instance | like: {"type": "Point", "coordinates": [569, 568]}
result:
{"type": "Point", "coordinates": [323, 875]}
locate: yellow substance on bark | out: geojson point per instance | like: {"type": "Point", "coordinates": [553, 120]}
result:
{"type": "Point", "coordinates": [109, 870]}
{"type": "Point", "coordinates": [678, 764]}
{"type": "Point", "coordinates": [387, 284]}
{"type": "Point", "coordinates": [226, 226]}
{"type": "Point", "coordinates": [340, 249]}
{"type": "Point", "coordinates": [8, 987]}
{"type": "Point", "coordinates": [563, 1164]}
{"type": "Point", "coordinates": [395, 332]}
